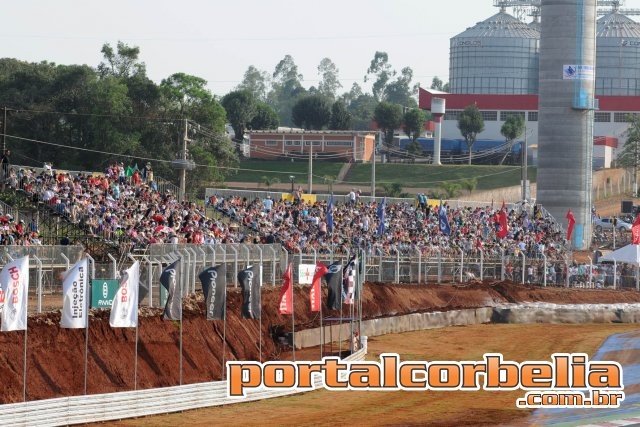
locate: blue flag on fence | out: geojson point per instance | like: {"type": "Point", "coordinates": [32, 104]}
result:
{"type": "Point", "coordinates": [330, 214]}
{"type": "Point", "coordinates": [444, 221]}
{"type": "Point", "coordinates": [380, 215]}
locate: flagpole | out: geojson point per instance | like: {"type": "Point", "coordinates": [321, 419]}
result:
{"type": "Point", "coordinates": [293, 323]}
{"type": "Point", "coordinates": [181, 315]}
{"type": "Point", "coordinates": [224, 331]}
{"type": "Point", "coordinates": [260, 316]}
{"type": "Point", "coordinates": [24, 373]}
{"type": "Point", "coordinates": [321, 326]}
{"type": "Point", "coordinates": [86, 342]}
{"type": "Point", "coordinates": [135, 361]}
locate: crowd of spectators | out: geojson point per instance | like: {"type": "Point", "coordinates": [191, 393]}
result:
{"type": "Point", "coordinates": [123, 205]}
{"type": "Point", "coordinates": [409, 228]}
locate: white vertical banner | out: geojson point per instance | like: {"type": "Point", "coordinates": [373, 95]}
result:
{"type": "Point", "coordinates": [305, 273]}
{"type": "Point", "coordinates": [14, 280]}
{"type": "Point", "coordinates": [75, 297]}
{"type": "Point", "coordinates": [124, 311]}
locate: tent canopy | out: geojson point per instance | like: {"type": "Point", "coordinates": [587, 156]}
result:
{"type": "Point", "coordinates": [629, 254]}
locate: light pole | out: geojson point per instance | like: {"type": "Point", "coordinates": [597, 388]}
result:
{"type": "Point", "coordinates": [292, 179]}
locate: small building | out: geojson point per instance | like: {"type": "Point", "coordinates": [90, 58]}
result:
{"type": "Point", "coordinates": [287, 144]}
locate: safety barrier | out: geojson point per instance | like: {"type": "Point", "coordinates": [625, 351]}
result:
{"type": "Point", "coordinates": [139, 403]}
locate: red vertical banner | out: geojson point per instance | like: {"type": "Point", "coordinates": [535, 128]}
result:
{"type": "Point", "coordinates": [286, 295]}
{"type": "Point", "coordinates": [321, 270]}
{"type": "Point", "coordinates": [571, 222]}
{"type": "Point", "coordinates": [635, 231]}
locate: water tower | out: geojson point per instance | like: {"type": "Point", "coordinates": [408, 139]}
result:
{"type": "Point", "coordinates": [437, 111]}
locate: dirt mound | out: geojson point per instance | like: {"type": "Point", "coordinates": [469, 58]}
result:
{"type": "Point", "coordinates": [55, 356]}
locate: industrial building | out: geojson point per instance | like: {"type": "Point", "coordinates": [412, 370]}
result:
{"type": "Point", "coordinates": [496, 65]}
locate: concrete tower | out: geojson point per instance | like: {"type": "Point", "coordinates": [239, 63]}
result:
{"type": "Point", "coordinates": [566, 104]}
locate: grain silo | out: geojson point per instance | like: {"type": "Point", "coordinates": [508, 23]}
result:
{"type": "Point", "coordinates": [565, 118]}
{"type": "Point", "coordinates": [617, 54]}
{"type": "Point", "coordinates": [496, 56]}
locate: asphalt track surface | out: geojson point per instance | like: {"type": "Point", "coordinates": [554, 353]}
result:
{"type": "Point", "coordinates": [625, 349]}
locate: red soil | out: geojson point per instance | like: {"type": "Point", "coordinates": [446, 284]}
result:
{"type": "Point", "coordinates": [55, 356]}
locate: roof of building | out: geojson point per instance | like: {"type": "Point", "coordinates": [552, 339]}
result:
{"type": "Point", "coordinates": [616, 24]}
{"type": "Point", "coordinates": [500, 25]}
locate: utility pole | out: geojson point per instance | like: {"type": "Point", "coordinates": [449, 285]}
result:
{"type": "Point", "coordinates": [373, 166]}
{"type": "Point", "coordinates": [183, 171]}
{"type": "Point", "coordinates": [4, 131]}
{"type": "Point", "coordinates": [525, 181]}
{"type": "Point", "coordinates": [310, 190]}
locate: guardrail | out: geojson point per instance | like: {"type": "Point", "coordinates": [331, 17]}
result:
{"type": "Point", "coordinates": [139, 403]}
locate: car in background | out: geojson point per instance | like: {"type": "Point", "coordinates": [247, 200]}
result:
{"type": "Point", "coordinates": [600, 224]}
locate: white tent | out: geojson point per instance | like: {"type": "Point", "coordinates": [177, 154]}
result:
{"type": "Point", "coordinates": [629, 254]}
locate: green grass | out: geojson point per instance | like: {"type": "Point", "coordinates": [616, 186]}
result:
{"type": "Point", "coordinates": [409, 175]}
{"type": "Point", "coordinates": [253, 170]}
{"type": "Point", "coordinates": [428, 176]}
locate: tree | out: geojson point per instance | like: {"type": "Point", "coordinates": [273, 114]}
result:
{"type": "Point", "coordinates": [451, 188]}
{"type": "Point", "coordinates": [329, 82]}
{"type": "Point", "coordinates": [240, 108]}
{"type": "Point", "coordinates": [630, 154]}
{"type": "Point", "coordinates": [438, 84]}
{"type": "Point", "coordinates": [265, 117]}
{"type": "Point", "coordinates": [414, 121]}
{"type": "Point", "coordinates": [269, 181]}
{"type": "Point", "coordinates": [511, 129]}
{"type": "Point", "coordinates": [340, 116]}
{"type": "Point", "coordinates": [119, 63]}
{"type": "Point", "coordinates": [311, 112]}
{"type": "Point", "coordinates": [389, 118]}
{"type": "Point", "coordinates": [470, 123]}
{"type": "Point", "coordinates": [286, 88]}
{"type": "Point", "coordinates": [381, 69]}
{"type": "Point", "coordinates": [255, 81]}
{"type": "Point", "coordinates": [469, 184]}
{"type": "Point", "coordinates": [400, 91]}
{"type": "Point", "coordinates": [392, 189]}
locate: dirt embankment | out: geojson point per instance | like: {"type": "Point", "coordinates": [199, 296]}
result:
{"type": "Point", "coordinates": [55, 356]}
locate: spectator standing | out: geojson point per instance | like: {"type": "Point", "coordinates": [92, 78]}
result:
{"type": "Point", "coordinates": [4, 162]}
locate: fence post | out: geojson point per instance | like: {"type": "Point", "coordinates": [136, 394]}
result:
{"type": "Point", "coordinates": [235, 265]}
{"type": "Point", "coordinates": [544, 280]}
{"type": "Point", "coordinates": [195, 268]}
{"type": "Point", "coordinates": [502, 264]}
{"type": "Point", "coordinates": [419, 266]}
{"type": "Point", "coordinates": [114, 270]}
{"type": "Point", "coordinates": [461, 264]}
{"type": "Point", "coordinates": [615, 273]}
{"type": "Point", "coordinates": [248, 255]}
{"type": "Point", "coordinates": [261, 269]}
{"type": "Point", "coordinates": [380, 268]}
{"type": "Point", "coordinates": [92, 270]}
{"type": "Point", "coordinates": [149, 279]}
{"type": "Point", "coordinates": [524, 265]}
{"type": "Point", "coordinates": [39, 282]}
{"type": "Point", "coordinates": [566, 279]}
{"type": "Point", "coordinates": [66, 259]}
{"type": "Point", "coordinates": [590, 272]}
{"type": "Point", "coordinates": [481, 264]}
{"type": "Point", "coordinates": [439, 266]}
{"type": "Point", "coordinates": [397, 267]}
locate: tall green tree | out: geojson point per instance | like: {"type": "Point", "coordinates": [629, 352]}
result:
{"type": "Point", "coordinates": [256, 82]}
{"type": "Point", "coordinates": [400, 91]}
{"type": "Point", "coordinates": [381, 70]}
{"type": "Point", "coordinates": [470, 123]}
{"type": "Point", "coordinates": [121, 62]}
{"type": "Point", "coordinates": [286, 88]}
{"type": "Point", "coordinates": [241, 108]}
{"type": "Point", "coordinates": [265, 117]}
{"type": "Point", "coordinates": [329, 81]}
{"type": "Point", "coordinates": [340, 117]}
{"type": "Point", "coordinates": [414, 121]}
{"type": "Point", "coordinates": [511, 129]}
{"type": "Point", "coordinates": [311, 112]}
{"type": "Point", "coordinates": [630, 155]}
{"type": "Point", "coordinates": [389, 118]}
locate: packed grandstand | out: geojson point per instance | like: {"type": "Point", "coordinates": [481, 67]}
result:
{"type": "Point", "coordinates": [123, 205]}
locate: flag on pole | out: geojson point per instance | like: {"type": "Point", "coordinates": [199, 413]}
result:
{"type": "Point", "coordinates": [286, 295]}
{"type": "Point", "coordinates": [635, 231]}
{"type": "Point", "coordinates": [330, 214]}
{"type": "Point", "coordinates": [14, 280]}
{"type": "Point", "coordinates": [444, 221]}
{"type": "Point", "coordinates": [170, 280]}
{"type": "Point", "coordinates": [334, 282]}
{"type": "Point", "coordinates": [250, 283]}
{"type": "Point", "coordinates": [380, 215]}
{"type": "Point", "coordinates": [75, 296]}
{"type": "Point", "coordinates": [349, 280]}
{"type": "Point", "coordinates": [124, 310]}
{"type": "Point", "coordinates": [315, 293]}
{"type": "Point", "coordinates": [214, 286]}
{"type": "Point", "coordinates": [503, 225]}
{"type": "Point", "coordinates": [571, 221]}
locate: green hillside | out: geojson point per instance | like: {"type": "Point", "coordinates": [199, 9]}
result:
{"type": "Point", "coordinates": [409, 175]}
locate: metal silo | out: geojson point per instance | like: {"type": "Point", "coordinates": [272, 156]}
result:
{"type": "Point", "coordinates": [617, 55]}
{"type": "Point", "coordinates": [565, 117]}
{"type": "Point", "coordinates": [496, 56]}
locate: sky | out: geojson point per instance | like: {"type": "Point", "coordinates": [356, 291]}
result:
{"type": "Point", "coordinates": [219, 40]}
